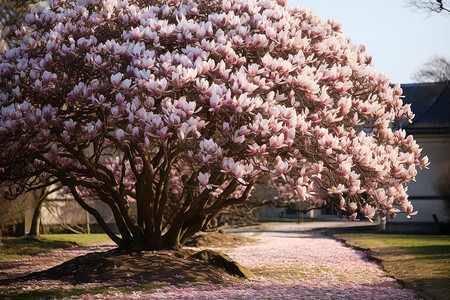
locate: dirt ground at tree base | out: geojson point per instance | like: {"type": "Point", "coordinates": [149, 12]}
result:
{"type": "Point", "coordinates": [174, 267]}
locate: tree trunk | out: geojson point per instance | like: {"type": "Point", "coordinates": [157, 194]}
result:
{"type": "Point", "coordinates": [36, 221]}
{"type": "Point", "coordinates": [88, 224]}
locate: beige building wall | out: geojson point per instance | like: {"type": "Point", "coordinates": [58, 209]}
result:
{"type": "Point", "coordinates": [68, 211]}
{"type": "Point", "coordinates": [422, 194]}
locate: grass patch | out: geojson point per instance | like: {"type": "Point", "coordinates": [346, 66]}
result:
{"type": "Point", "coordinates": [78, 239]}
{"type": "Point", "coordinates": [16, 248]}
{"type": "Point", "coordinates": [36, 294]}
{"type": "Point", "coordinates": [420, 262]}
{"type": "Point", "coordinates": [61, 293]}
{"type": "Point", "coordinates": [13, 248]}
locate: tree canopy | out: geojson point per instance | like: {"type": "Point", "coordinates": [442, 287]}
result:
{"type": "Point", "coordinates": [180, 106]}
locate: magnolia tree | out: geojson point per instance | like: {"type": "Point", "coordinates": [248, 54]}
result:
{"type": "Point", "coordinates": [180, 106]}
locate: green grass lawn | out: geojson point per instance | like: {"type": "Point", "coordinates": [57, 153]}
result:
{"type": "Point", "coordinates": [420, 262]}
{"type": "Point", "coordinates": [13, 248]}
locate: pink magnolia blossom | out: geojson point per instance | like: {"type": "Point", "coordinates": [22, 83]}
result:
{"type": "Point", "coordinates": [180, 94]}
{"type": "Point", "coordinates": [120, 135]}
{"type": "Point", "coordinates": [204, 179]}
{"type": "Point", "coordinates": [369, 211]}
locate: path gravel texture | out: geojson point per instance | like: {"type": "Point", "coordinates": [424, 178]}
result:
{"type": "Point", "coordinates": [289, 263]}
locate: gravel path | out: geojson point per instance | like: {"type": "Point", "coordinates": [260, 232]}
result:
{"type": "Point", "coordinates": [289, 263]}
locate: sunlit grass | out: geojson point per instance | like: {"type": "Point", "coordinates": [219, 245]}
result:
{"type": "Point", "coordinates": [79, 239]}
{"type": "Point", "coordinates": [421, 262]}
{"type": "Point", "coordinates": [14, 248]}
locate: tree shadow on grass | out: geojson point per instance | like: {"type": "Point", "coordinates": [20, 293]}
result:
{"type": "Point", "coordinates": [30, 246]}
{"type": "Point", "coordinates": [429, 252]}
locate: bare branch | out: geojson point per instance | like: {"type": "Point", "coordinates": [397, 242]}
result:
{"type": "Point", "coordinates": [430, 6]}
{"type": "Point", "coordinates": [435, 69]}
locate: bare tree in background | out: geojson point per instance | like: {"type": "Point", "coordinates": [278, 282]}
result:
{"type": "Point", "coordinates": [40, 200]}
{"type": "Point", "coordinates": [431, 6]}
{"type": "Point", "coordinates": [435, 69]}
{"type": "Point", "coordinates": [12, 14]}
{"type": "Point", "coordinates": [12, 213]}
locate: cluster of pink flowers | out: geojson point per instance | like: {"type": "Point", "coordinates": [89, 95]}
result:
{"type": "Point", "coordinates": [224, 90]}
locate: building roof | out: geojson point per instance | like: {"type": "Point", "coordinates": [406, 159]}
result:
{"type": "Point", "coordinates": [430, 102]}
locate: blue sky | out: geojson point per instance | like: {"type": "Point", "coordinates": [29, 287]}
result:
{"type": "Point", "coordinates": [399, 38]}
